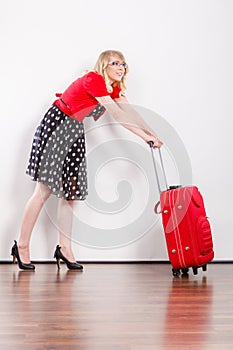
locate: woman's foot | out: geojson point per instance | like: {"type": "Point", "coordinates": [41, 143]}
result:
{"type": "Point", "coordinates": [71, 264]}
{"type": "Point", "coordinates": [24, 253]}
{"type": "Point", "coordinates": [16, 257]}
{"type": "Point", "coordinates": [67, 253]}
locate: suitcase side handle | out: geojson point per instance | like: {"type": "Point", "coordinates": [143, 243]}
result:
{"type": "Point", "coordinates": [151, 143]}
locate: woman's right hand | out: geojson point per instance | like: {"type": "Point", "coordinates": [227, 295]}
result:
{"type": "Point", "coordinates": [157, 143]}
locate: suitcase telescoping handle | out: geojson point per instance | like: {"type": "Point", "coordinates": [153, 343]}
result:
{"type": "Point", "coordinates": [151, 143]}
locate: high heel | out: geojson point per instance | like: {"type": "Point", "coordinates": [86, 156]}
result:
{"type": "Point", "coordinates": [16, 258]}
{"type": "Point", "coordinates": [70, 265]}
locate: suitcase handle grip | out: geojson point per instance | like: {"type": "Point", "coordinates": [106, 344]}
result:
{"type": "Point", "coordinates": [151, 144]}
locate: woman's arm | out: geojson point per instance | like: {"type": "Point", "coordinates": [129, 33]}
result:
{"type": "Point", "coordinates": [123, 103]}
{"type": "Point", "coordinates": [127, 116]}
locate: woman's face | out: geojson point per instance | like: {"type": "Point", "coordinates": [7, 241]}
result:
{"type": "Point", "coordinates": [115, 69]}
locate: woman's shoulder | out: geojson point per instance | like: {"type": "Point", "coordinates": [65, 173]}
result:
{"type": "Point", "coordinates": [92, 80]}
{"type": "Point", "coordinates": [92, 75]}
{"type": "Point", "coordinates": [116, 92]}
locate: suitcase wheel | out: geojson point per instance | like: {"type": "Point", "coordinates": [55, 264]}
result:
{"type": "Point", "coordinates": [204, 268]}
{"type": "Point", "coordinates": [195, 270]}
{"type": "Point", "coordinates": [176, 272]}
{"type": "Point", "coordinates": [185, 271]}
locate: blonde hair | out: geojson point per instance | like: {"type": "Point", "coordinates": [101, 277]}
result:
{"type": "Point", "coordinates": [101, 66]}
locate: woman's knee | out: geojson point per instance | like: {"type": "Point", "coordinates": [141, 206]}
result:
{"type": "Point", "coordinates": [42, 192]}
{"type": "Point", "coordinates": [66, 203]}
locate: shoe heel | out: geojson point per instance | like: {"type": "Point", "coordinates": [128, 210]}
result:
{"type": "Point", "coordinates": [58, 263]}
{"type": "Point", "coordinates": [13, 255]}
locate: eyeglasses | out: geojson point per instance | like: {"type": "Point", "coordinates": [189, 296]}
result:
{"type": "Point", "coordinates": [118, 64]}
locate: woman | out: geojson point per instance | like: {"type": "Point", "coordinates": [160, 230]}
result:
{"type": "Point", "coordinates": [57, 159]}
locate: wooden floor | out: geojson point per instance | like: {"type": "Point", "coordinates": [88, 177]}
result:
{"type": "Point", "coordinates": [115, 307]}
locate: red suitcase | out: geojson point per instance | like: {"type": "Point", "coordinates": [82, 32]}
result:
{"type": "Point", "coordinates": [186, 227]}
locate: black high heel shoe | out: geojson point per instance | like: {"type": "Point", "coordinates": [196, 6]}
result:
{"type": "Point", "coordinates": [70, 265]}
{"type": "Point", "coordinates": [15, 254]}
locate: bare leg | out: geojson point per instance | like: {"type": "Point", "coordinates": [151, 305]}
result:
{"type": "Point", "coordinates": [65, 220]}
{"type": "Point", "coordinates": [31, 213]}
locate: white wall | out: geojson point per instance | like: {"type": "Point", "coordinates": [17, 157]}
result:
{"type": "Point", "coordinates": [180, 54]}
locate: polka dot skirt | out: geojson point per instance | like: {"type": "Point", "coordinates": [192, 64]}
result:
{"type": "Point", "coordinates": [57, 157]}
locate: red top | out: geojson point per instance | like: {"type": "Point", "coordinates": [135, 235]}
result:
{"type": "Point", "coordinates": [78, 100]}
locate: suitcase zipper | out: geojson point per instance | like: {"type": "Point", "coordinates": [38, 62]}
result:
{"type": "Point", "coordinates": [176, 228]}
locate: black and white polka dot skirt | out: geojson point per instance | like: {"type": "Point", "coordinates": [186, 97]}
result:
{"type": "Point", "coordinates": [57, 157]}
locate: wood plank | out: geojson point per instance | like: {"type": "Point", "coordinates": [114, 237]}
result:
{"type": "Point", "coordinates": [115, 307]}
